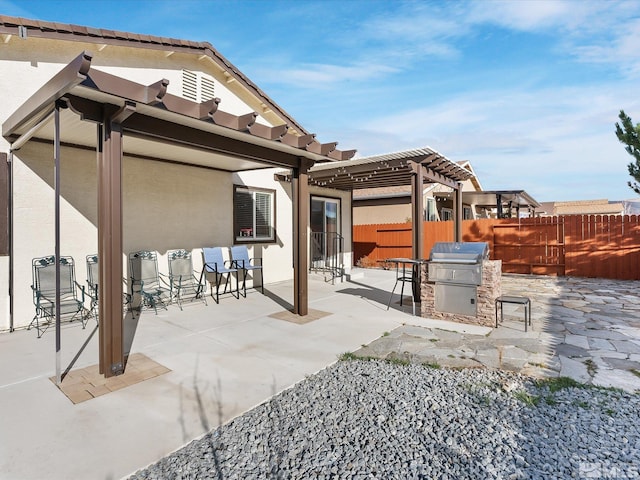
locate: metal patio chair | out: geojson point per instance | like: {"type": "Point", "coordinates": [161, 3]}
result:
{"type": "Point", "coordinates": [182, 279]}
{"type": "Point", "coordinates": [44, 293]}
{"type": "Point", "coordinates": [241, 261]}
{"type": "Point", "coordinates": [215, 263]}
{"type": "Point", "coordinates": [93, 282]}
{"type": "Point", "coordinates": [93, 274]}
{"type": "Point", "coordinates": [147, 281]}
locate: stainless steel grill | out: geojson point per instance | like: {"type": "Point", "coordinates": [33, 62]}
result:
{"type": "Point", "coordinates": [459, 252]}
{"type": "Point", "coordinates": [456, 269]}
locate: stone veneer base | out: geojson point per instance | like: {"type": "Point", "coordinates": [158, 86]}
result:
{"type": "Point", "coordinates": [490, 289]}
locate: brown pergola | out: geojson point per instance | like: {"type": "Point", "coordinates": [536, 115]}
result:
{"type": "Point", "coordinates": [86, 108]}
{"type": "Point", "coordinates": [410, 167]}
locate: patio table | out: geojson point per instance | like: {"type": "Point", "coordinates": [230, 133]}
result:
{"type": "Point", "coordinates": [407, 270]}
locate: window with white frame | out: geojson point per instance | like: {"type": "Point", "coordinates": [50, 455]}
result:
{"type": "Point", "coordinates": [253, 214]}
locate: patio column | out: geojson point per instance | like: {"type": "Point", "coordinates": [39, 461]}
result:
{"type": "Point", "coordinates": [457, 224]}
{"type": "Point", "coordinates": [300, 194]}
{"type": "Point", "coordinates": [9, 219]}
{"type": "Point", "coordinates": [417, 224]}
{"type": "Point", "coordinates": [417, 212]}
{"type": "Point", "coordinates": [498, 205]}
{"type": "Point", "coordinates": [110, 244]}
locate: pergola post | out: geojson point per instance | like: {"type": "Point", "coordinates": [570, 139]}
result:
{"type": "Point", "coordinates": [417, 224]}
{"type": "Point", "coordinates": [10, 231]}
{"type": "Point", "coordinates": [417, 213]}
{"type": "Point", "coordinates": [457, 224]}
{"type": "Point", "coordinates": [300, 195]}
{"type": "Point", "coordinates": [110, 247]}
{"type": "Point", "coordinates": [498, 205]}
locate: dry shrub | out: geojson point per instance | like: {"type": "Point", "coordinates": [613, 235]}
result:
{"type": "Point", "coordinates": [367, 262]}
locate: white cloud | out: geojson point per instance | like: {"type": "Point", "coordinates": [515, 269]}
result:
{"type": "Point", "coordinates": [528, 15]}
{"type": "Point", "coordinates": [623, 50]}
{"type": "Point", "coordinates": [325, 76]}
{"type": "Point", "coordinates": [558, 143]}
{"type": "Point", "coordinates": [416, 30]}
{"type": "Point", "coordinates": [550, 142]}
{"type": "Point", "coordinates": [415, 35]}
{"type": "Point", "coordinates": [591, 31]}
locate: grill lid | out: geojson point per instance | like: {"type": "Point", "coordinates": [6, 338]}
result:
{"type": "Point", "coordinates": [459, 252]}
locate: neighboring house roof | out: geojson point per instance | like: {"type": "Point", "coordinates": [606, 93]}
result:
{"type": "Point", "coordinates": [474, 179]}
{"type": "Point", "coordinates": [10, 26]}
{"type": "Point", "coordinates": [583, 207]}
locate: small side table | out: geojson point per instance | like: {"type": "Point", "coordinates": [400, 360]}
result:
{"type": "Point", "coordinates": [516, 301]}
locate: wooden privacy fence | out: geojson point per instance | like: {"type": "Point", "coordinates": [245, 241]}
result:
{"type": "Point", "coordinates": [602, 246]}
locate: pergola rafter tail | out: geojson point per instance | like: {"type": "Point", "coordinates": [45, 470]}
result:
{"type": "Point", "coordinates": [40, 104]}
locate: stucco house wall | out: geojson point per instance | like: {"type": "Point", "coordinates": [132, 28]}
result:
{"type": "Point", "coordinates": [383, 212]}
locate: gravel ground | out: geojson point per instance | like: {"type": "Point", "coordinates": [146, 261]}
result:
{"type": "Point", "coordinates": [377, 420]}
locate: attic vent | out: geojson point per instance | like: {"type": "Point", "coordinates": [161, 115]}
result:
{"type": "Point", "coordinates": [206, 89]}
{"type": "Point", "coordinates": [189, 85]}
{"type": "Point", "coordinates": [197, 87]}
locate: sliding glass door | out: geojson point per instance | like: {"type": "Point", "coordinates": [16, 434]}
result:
{"type": "Point", "coordinates": [325, 231]}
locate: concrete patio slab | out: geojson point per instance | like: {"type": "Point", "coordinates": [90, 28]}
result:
{"type": "Point", "coordinates": [224, 359]}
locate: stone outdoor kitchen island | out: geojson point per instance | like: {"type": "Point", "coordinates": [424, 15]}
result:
{"type": "Point", "coordinates": [487, 292]}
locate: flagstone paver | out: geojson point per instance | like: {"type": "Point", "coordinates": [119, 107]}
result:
{"type": "Point", "coordinates": [600, 344]}
{"type": "Point", "coordinates": [577, 340]}
{"type": "Point", "coordinates": [587, 329]}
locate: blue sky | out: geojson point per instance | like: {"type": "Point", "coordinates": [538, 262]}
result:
{"type": "Point", "coordinates": [527, 91]}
